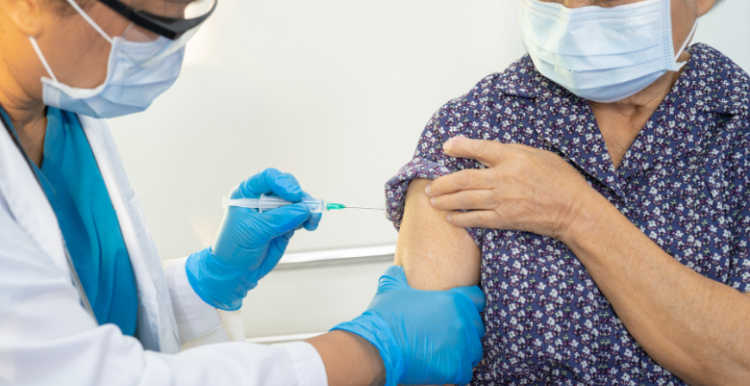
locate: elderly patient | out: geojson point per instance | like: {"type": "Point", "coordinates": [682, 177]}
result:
{"type": "Point", "coordinates": [608, 219]}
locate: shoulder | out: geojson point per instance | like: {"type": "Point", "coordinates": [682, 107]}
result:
{"type": "Point", "coordinates": [713, 83]}
{"type": "Point", "coordinates": [519, 81]}
{"type": "Point", "coordinates": [496, 104]}
{"type": "Point", "coordinates": [716, 82]}
{"type": "Point", "coordinates": [719, 86]}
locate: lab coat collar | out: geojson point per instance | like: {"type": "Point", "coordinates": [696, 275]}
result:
{"type": "Point", "coordinates": [157, 329]}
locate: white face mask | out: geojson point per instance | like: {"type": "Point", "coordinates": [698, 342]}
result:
{"type": "Point", "coordinates": [133, 80]}
{"type": "Point", "coordinates": [601, 54]}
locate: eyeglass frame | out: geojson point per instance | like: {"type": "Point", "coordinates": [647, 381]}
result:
{"type": "Point", "coordinates": [170, 28]}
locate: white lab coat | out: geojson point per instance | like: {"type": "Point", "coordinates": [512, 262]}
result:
{"type": "Point", "coordinates": [46, 336]}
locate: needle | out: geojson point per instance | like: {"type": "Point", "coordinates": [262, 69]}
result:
{"type": "Point", "coordinates": [362, 207]}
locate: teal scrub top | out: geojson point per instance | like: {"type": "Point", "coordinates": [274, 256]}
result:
{"type": "Point", "coordinates": [75, 188]}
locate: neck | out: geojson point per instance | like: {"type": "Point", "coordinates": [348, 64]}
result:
{"type": "Point", "coordinates": [27, 114]}
{"type": "Point", "coordinates": [648, 98]}
{"type": "Point", "coordinates": [621, 121]}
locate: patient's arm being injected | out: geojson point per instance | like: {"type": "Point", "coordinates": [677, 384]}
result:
{"type": "Point", "coordinates": [435, 255]}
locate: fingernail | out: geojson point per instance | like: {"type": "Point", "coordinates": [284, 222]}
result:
{"type": "Point", "coordinates": [427, 189]}
{"type": "Point", "coordinates": [288, 184]}
{"type": "Point", "coordinates": [447, 145]}
{"type": "Point", "coordinates": [448, 218]}
{"type": "Point", "coordinates": [432, 201]}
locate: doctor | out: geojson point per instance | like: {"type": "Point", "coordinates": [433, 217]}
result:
{"type": "Point", "coordinates": [84, 299]}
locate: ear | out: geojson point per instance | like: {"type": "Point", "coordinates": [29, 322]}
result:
{"type": "Point", "coordinates": [26, 15]}
{"type": "Point", "coordinates": [703, 6]}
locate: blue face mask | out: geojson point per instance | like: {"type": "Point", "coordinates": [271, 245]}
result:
{"type": "Point", "coordinates": [601, 54]}
{"type": "Point", "coordinates": [137, 72]}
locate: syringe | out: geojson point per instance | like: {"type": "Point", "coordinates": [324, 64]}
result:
{"type": "Point", "coordinates": [272, 202]}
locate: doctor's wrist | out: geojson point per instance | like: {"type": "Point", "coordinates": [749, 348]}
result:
{"type": "Point", "coordinates": [349, 359]}
{"type": "Point", "coordinates": [219, 286]}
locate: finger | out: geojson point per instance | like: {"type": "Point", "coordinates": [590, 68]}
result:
{"type": "Point", "coordinates": [279, 221]}
{"type": "Point", "coordinates": [475, 341]}
{"type": "Point", "coordinates": [275, 251]}
{"type": "Point", "coordinates": [465, 373]}
{"type": "Point", "coordinates": [472, 307]}
{"type": "Point", "coordinates": [473, 219]}
{"type": "Point", "coordinates": [474, 294]}
{"type": "Point", "coordinates": [467, 199]}
{"type": "Point", "coordinates": [270, 181]}
{"type": "Point", "coordinates": [312, 223]}
{"type": "Point", "coordinates": [488, 153]}
{"type": "Point", "coordinates": [468, 179]}
{"type": "Point", "coordinates": [472, 300]}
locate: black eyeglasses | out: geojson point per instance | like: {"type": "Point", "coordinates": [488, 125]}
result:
{"type": "Point", "coordinates": [170, 28]}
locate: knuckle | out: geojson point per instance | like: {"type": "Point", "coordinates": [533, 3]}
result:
{"type": "Point", "coordinates": [480, 147]}
{"type": "Point", "coordinates": [463, 179]}
{"type": "Point", "coordinates": [472, 218]}
{"type": "Point", "coordinates": [466, 199]}
{"type": "Point", "coordinates": [523, 156]}
{"type": "Point", "coordinates": [488, 176]}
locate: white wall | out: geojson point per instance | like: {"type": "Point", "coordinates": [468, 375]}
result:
{"type": "Point", "coordinates": [334, 91]}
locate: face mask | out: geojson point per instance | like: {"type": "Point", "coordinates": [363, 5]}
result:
{"type": "Point", "coordinates": [601, 54]}
{"type": "Point", "coordinates": [133, 79]}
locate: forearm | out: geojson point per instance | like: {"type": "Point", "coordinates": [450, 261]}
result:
{"type": "Point", "coordinates": [349, 359]}
{"type": "Point", "coordinates": [693, 326]}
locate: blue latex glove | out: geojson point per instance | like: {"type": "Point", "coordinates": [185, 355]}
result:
{"type": "Point", "coordinates": [249, 244]}
{"type": "Point", "coordinates": [424, 337]}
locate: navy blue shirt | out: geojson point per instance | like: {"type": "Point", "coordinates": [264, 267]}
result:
{"type": "Point", "coordinates": [684, 182]}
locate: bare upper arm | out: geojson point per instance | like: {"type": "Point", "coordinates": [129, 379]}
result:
{"type": "Point", "coordinates": [435, 254]}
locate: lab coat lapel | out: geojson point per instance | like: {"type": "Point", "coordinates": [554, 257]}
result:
{"type": "Point", "coordinates": [27, 202]}
{"type": "Point", "coordinates": [157, 328]}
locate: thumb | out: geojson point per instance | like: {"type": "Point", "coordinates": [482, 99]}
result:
{"type": "Point", "coordinates": [269, 181]}
{"type": "Point", "coordinates": [393, 279]}
{"type": "Point", "coordinates": [474, 294]}
{"type": "Point", "coordinates": [282, 220]}
{"type": "Point", "coordinates": [488, 153]}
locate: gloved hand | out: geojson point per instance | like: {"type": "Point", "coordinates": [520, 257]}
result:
{"type": "Point", "coordinates": [249, 244]}
{"type": "Point", "coordinates": [424, 337]}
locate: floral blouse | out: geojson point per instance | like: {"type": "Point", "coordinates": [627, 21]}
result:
{"type": "Point", "coordinates": [684, 182]}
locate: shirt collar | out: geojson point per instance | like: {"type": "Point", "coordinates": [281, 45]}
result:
{"type": "Point", "coordinates": [714, 82]}
{"type": "Point", "coordinates": [709, 83]}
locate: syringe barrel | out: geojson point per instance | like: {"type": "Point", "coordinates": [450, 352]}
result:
{"type": "Point", "coordinates": [316, 206]}
{"type": "Point", "coordinates": [265, 203]}
{"type": "Point", "coordinates": [270, 202]}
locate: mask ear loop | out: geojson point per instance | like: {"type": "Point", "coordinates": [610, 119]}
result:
{"type": "Point", "coordinates": [42, 59]}
{"type": "Point", "coordinates": [690, 37]}
{"type": "Point", "coordinates": [88, 19]}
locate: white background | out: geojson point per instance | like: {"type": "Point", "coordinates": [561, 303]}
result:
{"type": "Point", "coordinates": [335, 92]}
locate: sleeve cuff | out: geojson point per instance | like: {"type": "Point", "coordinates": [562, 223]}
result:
{"type": "Point", "coordinates": [307, 364]}
{"type": "Point", "coordinates": [195, 318]}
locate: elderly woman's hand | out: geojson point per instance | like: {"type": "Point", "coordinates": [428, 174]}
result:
{"type": "Point", "coordinates": [522, 188]}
